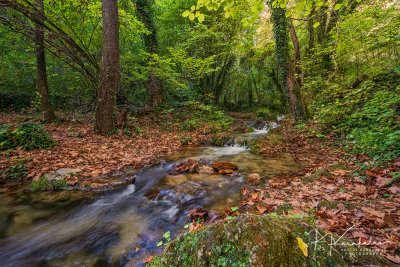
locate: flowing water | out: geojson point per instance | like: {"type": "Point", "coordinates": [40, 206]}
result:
{"type": "Point", "coordinates": [123, 227]}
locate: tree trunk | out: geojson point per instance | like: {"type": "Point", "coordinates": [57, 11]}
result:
{"type": "Point", "coordinates": [154, 87]}
{"type": "Point", "coordinates": [47, 109]}
{"type": "Point", "coordinates": [154, 91]}
{"type": "Point", "coordinates": [310, 32]}
{"type": "Point", "coordinates": [106, 98]}
{"type": "Point", "coordinates": [287, 73]}
{"type": "Point", "coordinates": [297, 54]}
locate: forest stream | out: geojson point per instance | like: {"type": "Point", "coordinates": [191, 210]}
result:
{"type": "Point", "coordinates": [123, 227]}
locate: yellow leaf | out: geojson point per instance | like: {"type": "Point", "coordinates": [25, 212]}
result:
{"type": "Point", "coordinates": [191, 16]}
{"type": "Point", "coordinates": [201, 18]}
{"type": "Point", "coordinates": [186, 13]}
{"type": "Point", "coordinates": [303, 246]}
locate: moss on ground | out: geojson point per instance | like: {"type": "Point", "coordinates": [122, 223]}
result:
{"type": "Point", "coordinates": [253, 240]}
{"type": "Point", "coordinates": [315, 176]}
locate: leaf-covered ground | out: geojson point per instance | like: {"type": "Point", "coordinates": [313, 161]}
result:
{"type": "Point", "coordinates": [334, 189]}
{"type": "Point", "coordinates": [78, 146]}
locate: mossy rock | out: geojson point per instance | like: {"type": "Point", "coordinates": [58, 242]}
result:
{"type": "Point", "coordinates": [43, 184]}
{"type": "Point", "coordinates": [253, 240]}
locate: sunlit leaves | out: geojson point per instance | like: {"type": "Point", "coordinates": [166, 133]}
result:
{"type": "Point", "coordinates": [338, 6]}
{"type": "Point", "coordinates": [186, 13]}
{"type": "Point", "coordinates": [316, 25]}
{"type": "Point", "coordinates": [201, 18]}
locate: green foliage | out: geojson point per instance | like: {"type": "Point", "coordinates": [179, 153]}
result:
{"type": "Point", "coordinates": [16, 171]}
{"type": "Point", "coordinates": [263, 112]}
{"type": "Point", "coordinates": [200, 112]}
{"type": "Point", "coordinates": [368, 117]}
{"type": "Point", "coordinates": [28, 135]}
{"type": "Point", "coordinates": [167, 239]}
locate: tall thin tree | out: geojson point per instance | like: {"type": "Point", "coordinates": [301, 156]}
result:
{"type": "Point", "coordinates": [106, 97]}
{"type": "Point", "coordinates": [286, 68]}
{"type": "Point", "coordinates": [154, 87]}
{"type": "Point", "coordinates": [47, 109]}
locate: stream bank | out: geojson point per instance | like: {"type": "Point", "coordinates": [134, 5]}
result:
{"type": "Point", "coordinates": [123, 226]}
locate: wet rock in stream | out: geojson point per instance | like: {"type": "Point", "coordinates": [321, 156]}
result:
{"type": "Point", "coordinates": [224, 165]}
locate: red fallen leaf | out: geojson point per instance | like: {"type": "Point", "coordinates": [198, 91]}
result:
{"type": "Point", "coordinates": [274, 183]}
{"type": "Point", "coordinates": [373, 212]}
{"type": "Point", "coordinates": [198, 214]}
{"type": "Point", "coordinates": [250, 202]}
{"type": "Point", "coordinates": [360, 189]}
{"type": "Point", "coordinates": [254, 196]}
{"type": "Point", "coordinates": [72, 181]}
{"type": "Point", "coordinates": [194, 226]}
{"type": "Point", "coordinates": [339, 172]}
{"type": "Point", "coordinates": [359, 234]}
{"type": "Point", "coordinates": [261, 209]}
{"type": "Point", "coordinates": [373, 174]}
{"type": "Point", "coordinates": [149, 260]}
{"type": "Point", "coordinates": [245, 191]}
{"type": "Point", "coordinates": [393, 258]}
{"type": "Point", "coordinates": [382, 182]}
{"type": "Point", "coordinates": [394, 189]}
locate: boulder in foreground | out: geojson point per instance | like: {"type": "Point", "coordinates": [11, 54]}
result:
{"type": "Point", "coordinates": [253, 240]}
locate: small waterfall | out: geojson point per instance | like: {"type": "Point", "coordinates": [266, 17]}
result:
{"type": "Point", "coordinates": [260, 129]}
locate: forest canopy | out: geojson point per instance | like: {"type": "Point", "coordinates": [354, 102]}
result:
{"type": "Point", "coordinates": [337, 62]}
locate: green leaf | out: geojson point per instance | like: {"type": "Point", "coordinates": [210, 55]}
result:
{"type": "Point", "coordinates": [191, 16]}
{"type": "Point", "coordinates": [234, 208]}
{"type": "Point", "coordinates": [316, 24]}
{"type": "Point", "coordinates": [227, 14]}
{"type": "Point", "coordinates": [338, 6]}
{"type": "Point", "coordinates": [193, 8]}
{"type": "Point", "coordinates": [159, 244]}
{"type": "Point", "coordinates": [167, 234]}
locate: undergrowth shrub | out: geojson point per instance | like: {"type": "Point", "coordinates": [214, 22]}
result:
{"type": "Point", "coordinates": [28, 135]}
{"type": "Point", "coordinates": [368, 117]}
{"type": "Point", "coordinates": [16, 171]}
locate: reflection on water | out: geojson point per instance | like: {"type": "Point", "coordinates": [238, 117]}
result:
{"type": "Point", "coordinates": [73, 228]}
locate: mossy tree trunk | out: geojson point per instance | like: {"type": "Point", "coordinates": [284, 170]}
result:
{"type": "Point", "coordinates": [286, 68]}
{"type": "Point", "coordinates": [154, 87]}
{"type": "Point", "coordinates": [43, 88]}
{"type": "Point", "coordinates": [106, 98]}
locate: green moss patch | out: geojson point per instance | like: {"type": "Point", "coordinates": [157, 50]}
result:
{"type": "Point", "coordinates": [44, 184]}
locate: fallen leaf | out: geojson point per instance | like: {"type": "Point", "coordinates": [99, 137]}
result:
{"type": "Point", "coordinates": [373, 212]}
{"type": "Point", "coordinates": [303, 246]}
{"type": "Point", "coordinates": [245, 191]}
{"type": "Point", "coordinates": [261, 209]}
{"type": "Point", "coordinates": [149, 260]}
